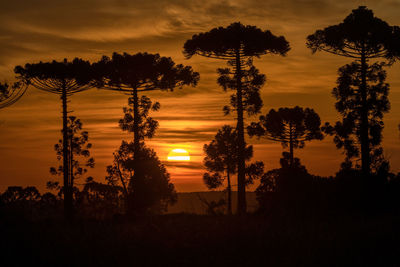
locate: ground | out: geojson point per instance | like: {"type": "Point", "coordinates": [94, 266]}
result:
{"type": "Point", "coordinates": [201, 240]}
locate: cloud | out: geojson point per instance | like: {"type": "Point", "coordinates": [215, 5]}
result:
{"type": "Point", "coordinates": [184, 165]}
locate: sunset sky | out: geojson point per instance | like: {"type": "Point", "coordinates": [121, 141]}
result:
{"type": "Point", "coordinates": [43, 30]}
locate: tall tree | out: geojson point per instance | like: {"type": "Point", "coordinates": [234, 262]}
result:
{"type": "Point", "coordinates": [221, 159]}
{"type": "Point", "coordinates": [238, 45]}
{"type": "Point", "coordinates": [10, 95]}
{"type": "Point", "coordinates": [290, 126]}
{"type": "Point", "coordinates": [79, 159]}
{"type": "Point", "coordinates": [65, 79]}
{"type": "Point", "coordinates": [347, 132]}
{"type": "Point", "coordinates": [362, 37]}
{"type": "Point", "coordinates": [134, 74]}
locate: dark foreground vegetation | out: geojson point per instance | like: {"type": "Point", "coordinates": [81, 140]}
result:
{"type": "Point", "coordinates": [350, 239]}
{"type": "Point", "coordinates": [310, 221]}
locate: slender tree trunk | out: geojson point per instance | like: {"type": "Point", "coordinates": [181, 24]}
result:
{"type": "Point", "coordinates": [135, 122]}
{"type": "Point", "coordinates": [125, 190]}
{"type": "Point", "coordinates": [67, 195]}
{"type": "Point", "coordinates": [131, 207]}
{"type": "Point", "coordinates": [122, 181]}
{"type": "Point", "coordinates": [364, 127]}
{"type": "Point", "coordinates": [241, 208]}
{"type": "Point", "coordinates": [291, 145]}
{"type": "Point", "coordinates": [71, 166]}
{"type": "Point", "coordinates": [229, 189]}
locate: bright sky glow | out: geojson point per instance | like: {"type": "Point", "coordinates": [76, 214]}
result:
{"type": "Point", "coordinates": [178, 154]}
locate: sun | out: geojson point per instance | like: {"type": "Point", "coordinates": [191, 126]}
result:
{"type": "Point", "coordinates": [178, 154]}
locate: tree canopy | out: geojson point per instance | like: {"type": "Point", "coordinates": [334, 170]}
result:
{"type": "Point", "coordinates": [143, 72]}
{"type": "Point", "coordinates": [75, 76]}
{"type": "Point", "coordinates": [11, 94]}
{"type": "Point", "coordinates": [223, 42]}
{"type": "Point", "coordinates": [290, 126]}
{"type": "Point", "coordinates": [360, 32]}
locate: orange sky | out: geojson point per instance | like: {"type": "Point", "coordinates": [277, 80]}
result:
{"type": "Point", "coordinates": [44, 30]}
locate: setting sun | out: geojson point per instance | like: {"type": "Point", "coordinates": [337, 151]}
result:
{"type": "Point", "coordinates": [178, 154]}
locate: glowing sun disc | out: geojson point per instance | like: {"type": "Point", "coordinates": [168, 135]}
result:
{"type": "Point", "coordinates": [178, 154]}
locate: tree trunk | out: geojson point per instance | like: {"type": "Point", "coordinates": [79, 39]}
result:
{"type": "Point", "coordinates": [135, 122]}
{"type": "Point", "coordinates": [71, 166]}
{"type": "Point", "coordinates": [131, 206]}
{"type": "Point", "coordinates": [241, 208]}
{"type": "Point", "coordinates": [364, 127]}
{"type": "Point", "coordinates": [291, 145]}
{"type": "Point", "coordinates": [229, 189]}
{"type": "Point", "coordinates": [67, 189]}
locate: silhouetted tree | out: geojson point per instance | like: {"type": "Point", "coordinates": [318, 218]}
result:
{"type": "Point", "coordinates": [10, 95]}
{"type": "Point", "coordinates": [78, 147]}
{"type": "Point", "coordinates": [349, 104]}
{"type": "Point", "coordinates": [15, 194]}
{"type": "Point", "coordinates": [221, 158]}
{"type": "Point", "coordinates": [65, 79]}
{"type": "Point", "coordinates": [290, 126]}
{"type": "Point", "coordinates": [149, 192]}
{"type": "Point", "coordinates": [363, 37]}
{"type": "Point", "coordinates": [142, 72]}
{"type": "Point", "coordinates": [238, 45]}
